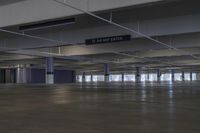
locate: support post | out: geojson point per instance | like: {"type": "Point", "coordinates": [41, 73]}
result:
{"type": "Point", "coordinates": [191, 76]}
{"type": "Point", "coordinates": [148, 76]}
{"type": "Point", "coordinates": [138, 74]}
{"type": "Point", "coordinates": [23, 74]}
{"type": "Point", "coordinates": [122, 77]}
{"type": "Point", "coordinates": [173, 78]}
{"type": "Point", "coordinates": [50, 70]}
{"type": "Point", "coordinates": [159, 75]}
{"type": "Point", "coordinates": [183, 76]}
{"type": "Point", "coordinates": [91, 78]}
{"type": "Point", "coordinates": [106, 73]}
{"type": "Point", "coordinates": [83, 77]}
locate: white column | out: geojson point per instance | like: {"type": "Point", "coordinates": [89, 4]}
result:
{"type": "Point", "coordinates": [50, 70]}
{"type": "Point", "coordinates": [22, 74]}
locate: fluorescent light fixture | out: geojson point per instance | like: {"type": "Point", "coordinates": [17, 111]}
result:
{"type": "Point", "coordinates": [47, 24]}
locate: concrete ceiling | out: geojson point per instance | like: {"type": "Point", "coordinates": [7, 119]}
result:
{"type": "Point", "coordinates": [8, 2]}
{"type": "Point", "coordinates": [30, 11]}
{"type": "Point", "coordinates": [175, 23]}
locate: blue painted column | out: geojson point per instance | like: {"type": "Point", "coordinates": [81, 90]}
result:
{"type": "Point", "coordinates": [138, 74]}
{"type": "Point", "coordinates": [106, 73]}
{"type": "Point", "coordinates": [50, 70]}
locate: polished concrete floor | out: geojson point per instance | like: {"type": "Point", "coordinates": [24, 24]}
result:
{"type": "Point", "coordinates": [101, 108]}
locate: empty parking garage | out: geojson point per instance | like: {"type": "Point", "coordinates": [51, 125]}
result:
{"type": "Point", "coordinates": [99, 66]}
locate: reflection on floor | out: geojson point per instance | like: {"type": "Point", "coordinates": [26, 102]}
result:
{"type": "Point", "coordinates": [101, 108]}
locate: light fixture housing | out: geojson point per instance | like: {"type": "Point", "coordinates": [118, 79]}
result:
{"type": "Point", "coordinates": [47, 24]}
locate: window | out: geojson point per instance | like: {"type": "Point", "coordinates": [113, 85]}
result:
{"type": "Point", "coordinates": [79, 78]}
{"type": "Point", "coordinates": [194, 76]}
{"type": "Point", "coordinates": [88, 78]}
{"type": "Point", "coordinates": [144, 77]}
{"type": "Point", "coordinates": [178, 76]}
{"type": "Point", "coordinates": [166, 77]}
{"type": "Point", "coordinates": [129, 77]}
{"type": "Point", "coordinates": [98, 78]}
{"type": "Point", "coordinates": [187, 76]}
{"type": "Point", "coordinates": [153, 77]}
{"type": "Point", "coordinates": [132, 78]}
{"type": "Point", "coordinates": [115, 78]}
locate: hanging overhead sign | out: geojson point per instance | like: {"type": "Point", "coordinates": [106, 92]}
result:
{"type": "Point", "coordinates": [108, 39]}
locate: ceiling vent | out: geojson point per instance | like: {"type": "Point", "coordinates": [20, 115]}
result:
{"type": "Point", "coordinates": [47, 24]}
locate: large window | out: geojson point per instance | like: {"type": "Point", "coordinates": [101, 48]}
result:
{"type": "Point", "coordinates": [166, 77]}
{"type": "Point", "coordinates": [153, 77]}
{"type": "Point", "coordinates": [115, 78]}
{"type": "Point", "coordinates": [79, 78]}
{"type": "Point", "coordinates": [187, 76]}
{"type": "Point", "coordinates": [178, 76]}
{"type": "Point", "coordinates": [194, 76]}
{"type": "Point", "coordinates": [144, 77]}
{"type": "Point", "coordinates": [88, 78]}
{"type": "Point", "coordinates": [98, 78]}
{"type": "Point", "coordinates": [129, 77]}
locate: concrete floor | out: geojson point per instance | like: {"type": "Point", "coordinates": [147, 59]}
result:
{"type": "Point", "coordinates": [102, 108]}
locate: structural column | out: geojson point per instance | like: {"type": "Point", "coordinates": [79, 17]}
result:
{"type": "Point", "coordinates": [91, 78]}
{"type": "Point", "coordinates": [190, 76]}
{"type": "Point", "coordinates": [23, 73]}
{"type": "Point", "coordinates": [106, 73]}
{"type": "Point", "coordinates": [83, 77]}
{"type": "Point", "coordinates": [138, 74]}
{"type": "Point", "coordinates": [148, 76]}
{"type": "Point", "coordinates": [159, 75]}
{"type": "Point", "coordinates": [173, 78]}
{"type": "Point", "coordinates": [123, 77]}
{"type": "Point", "coordinates": [50, 70]}
{"type": "Point", "coordinates": [183, 76]}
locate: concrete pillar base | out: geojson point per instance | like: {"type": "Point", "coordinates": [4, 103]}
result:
{"type": "Point", "coordinates": [107, 80]}
{"type": "Point", "coordinates": [159, 75]}
{"type": "Point", "coordinates": [50, 71]}
{"type": "Point", "coordinates": [49, 79]}
{"type": "Point", "coordinates": [138, 79]}
{"type": "Point", "coordinates": [138, 74]}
